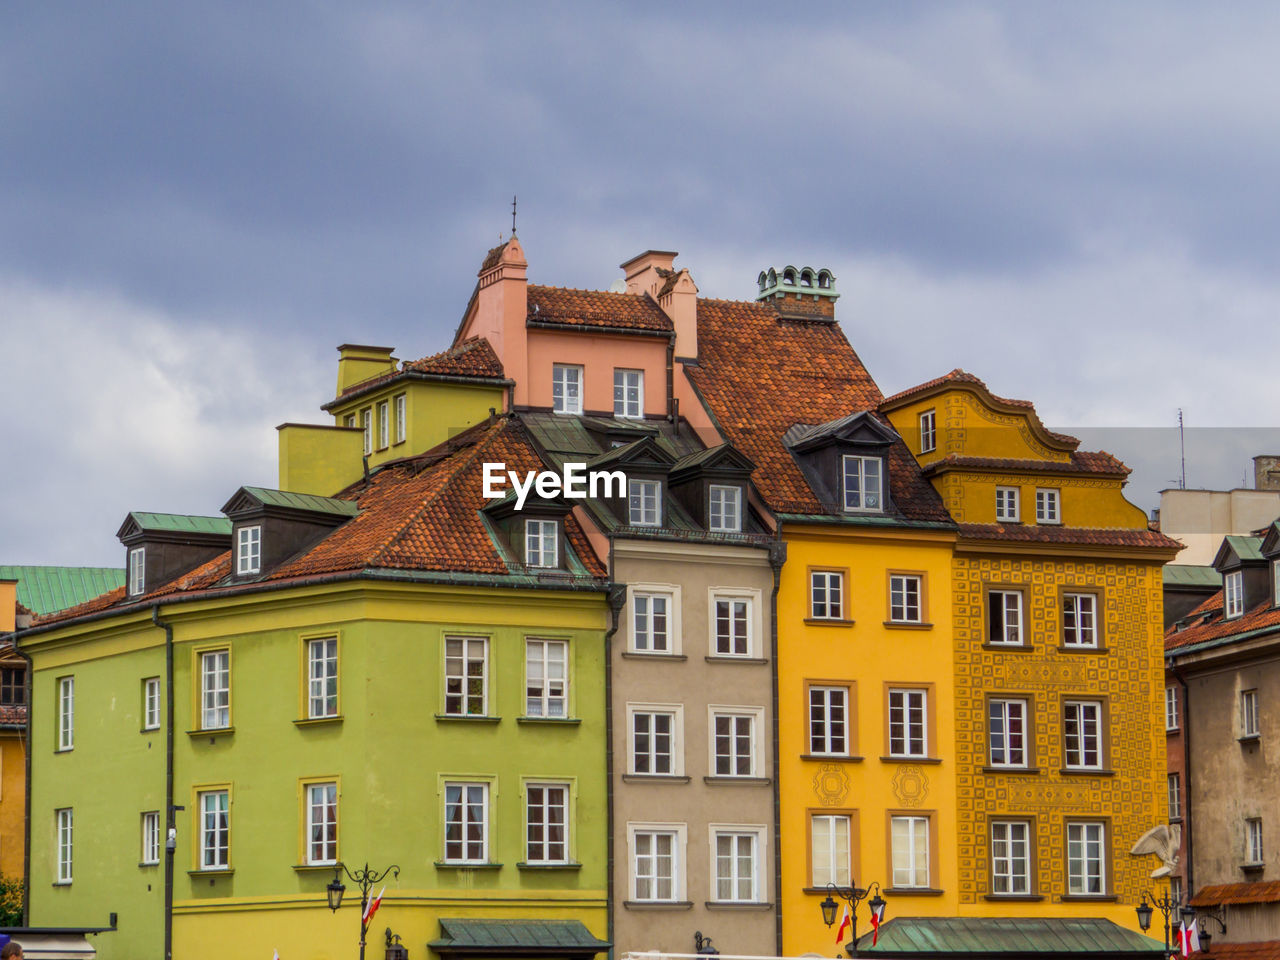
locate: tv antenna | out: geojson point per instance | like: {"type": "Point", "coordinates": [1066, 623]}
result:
{"type": "Point", "coordinates": [1182, 449]}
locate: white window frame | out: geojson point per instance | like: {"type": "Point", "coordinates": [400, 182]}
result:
{"type": "Point", "coordinates": [640, 511]}
{"type": "Point", "coordinates": [249, 549]}
{"type": "Point", "coordinates": [541, 543]}
{"type": "Point", "coordinates": [641, 609]}
{"type": "Point", "coordinates": [724, 508]}
{"type": "Point", "coordinates": [911, 867]}
{"type": "Point", "coordinates": [546, 695]}
{"type": "Point", "coordinates": [384, 424]}
{"type": "Point", "coordinates": [1080, 621]}
{"type": "Point", "coordinates": [150, 838]}
{"type": "Point", "coordinates": [66, 713]}
{"type": "Point", "coordinates": [1087, 729]}
{"type": "Point", "coordinates": [819, 716]}
{"type": "Point", "coordinates": [544, 847]}
{"type": "Point", "coordinates": [1171, 708]}
{"type": "Point", "coordinates": [914, 738]}
{"type": "Point", "coordinates": [823, 580]}
{"type": "Point", "coordinates": [64, 829]}
{"type": "Point", "coordinates": [1007, 504]}
{"type": "Point", "coordinates": [839, 855]}
{"type": "Point", "coordinates": [628, 394]}
{"type": "Point", "coordinates": [366, 424]}
{"type": "Point", "coordinates": [458, 675]}
{"type": "Point", "coordinates": [1048, 505]}
{"type": "Point", "coordinates": [322, 675]}
{"type": "Point", "coordinates": [678, 834]}
{"type": "Point", "coordinates": [652, 755]}
{"type": "Point", "coordinates": [928, 431]}
{"type": "Point", "coordinates": [749, 620]}
{"type": "Point", "coordinates": [215, 689]}
{"type": "Point", "coordinates": [1001, 750]}
{"type": "Point", "coordinates": [564, 400]}
{"type": "Point", "coordinates": [1086, 836]}
{"type": "Point", "coordinates": [1010, 847]}
{"type": "Point", "coordinates": [466, 808]}
{"type": "Point", "coordinates": [903, 607]}
{"type": "Point", "coordinates": [1249, 714]}
{"type": "Point", "coordinates": [855, 499]}
{"type": "Point", "coordinates": [1233, 594]}
{"type": "Point", "coordinates": [1174, 785]}
{"type": "Point", "coordinates": [754, 716]}
{"type": "Point", "coordinates": [215, 837]}
{"type": "Point", "coordinates": [735, 833]}
{"type": "Point", "coordinates": [349, 420]}
{"type": "Point", "coordinates": [1253, 849]}
{"type": "Point", "coordinates": [321, 797]}
{"type": "Point", "coordinates": [151, 703]}
{"type": "Point", "coordinates": [1007, 627]}
{"type": "Point", "coordinates": [402, 417]}
{"type": "Point", "coordinates": [137, 570]}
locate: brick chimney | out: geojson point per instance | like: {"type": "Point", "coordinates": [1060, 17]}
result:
{"type": "Point", "coordinates": [799, 291]}
{"type": "Point", "coordinates": [653, 272]}
{"type": "Point", "coordinates": [1266, 472]}
{"type": "Point", "coordinates": [648, 272]}
{"type": "Point", "coordinates": [502, 306]}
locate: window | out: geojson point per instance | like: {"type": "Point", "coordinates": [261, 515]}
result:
{"type": "Point", "coordinates": [642, 503]}
{"type": "Point", "coordinates": [1085, 864]}
{"type": "Point", "coordinates": [1047, 506]}
{"type": "Point", "coordinates": [546, 678]}
{"type": "Point", "coordinates": [733, 744]}
{"type": "Point", "coordinates": [909, 839]}
{"type": "Point", "coordinates": [830, 843]}
{"type": "Point", "coordinates": [13, 686]}
{"type": "Point", "coordinates": [349, 420]}
{"type": "Point", "coordinates": [655, 873]}
{"type": "Point", "coordinates": [366, 424]}
{"type": "Point", "coordinates": [566, 388]}
{"type": "Point", "coordinates": [248, 550]}
{"type": "Point", "coordinates": [466, 822]}
{"type": "Point", "coordinates": [322, 823]}
{"type": "Point", "coordinates": [151, 703]}
{"type": "Point", "coordinates": [1175, 889]}
{"type": "Point", "coordinates": [1275, 583]}
{"type": "Point", "coordinates": [1233, 587]}
{"type": "Point", "coordinates": [541, 543]}
{"type": "Point", "coordinates": [928, 431]}
{"type": "Point", "coordinates": [1249, 713]}
{"type": "Point", "coordinates": [829, 721]}
{"type": "Point", "coordinates": [402, 417]}
{"type": "Point", "coordinates": [1175, 796]}
{"type": "Point", "coordinates": [725, 514]}
{"type": "Point", "coordinates": [904, 598]}
{"type": "Point", "coordinates": [735, 867]}
{"type": "Point", "coordinates": [547, 822]}
{"type": "Point", "coordinates": [215, 690]}
{"type": "Point", "coordinates": [1010, 857]}
{"type": "Point", "coordinates": [862, 483]}
{"type": "Point", "coordinates": [384, 424]}
{"type": "Point", "coordinates": [1007, 733]}
{"type": "Point", "coordinates": [653, 742]}
{"type": "Point", "coordinates": [628, 393]}
{"type": "Point", "coordinates": [733, 626]}
{"type": "Point", "coordinates": [151, 837]}
{"type": "Point", "coordinates": [465, 676]}
{"type": "Point", "coordinates": [137, 570]}
{"type": "Point", "coordinates": [1082, 733]}
{"type": "Point", "coordinates": [66, 713]}
{"type": "Point", "coordinates": [215, 829]}
{"type": "Point", "coordinates": [1006, 504]}
{"type": "Point", "coordinates": [322, 678]}
{"type": "Point", "coordinates": [826, 590]}
{"type": "Point", "coordinates": [651, 622]}
{"type": "Point", "coordinates": [1004, 617]}
{"type": "Point", "coordinates": [1171, 708]}
{"type": "Point", "coordinates": [907, 736]}
{"type": "Point", "coordinates": [1079, 620]}
{"type": "Point", "coordinates": [63, 820]}
{"type": "Point", "coordinates": [1253, 840]}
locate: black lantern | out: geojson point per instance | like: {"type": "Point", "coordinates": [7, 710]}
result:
{"type": "Point", "coordinates": [702, 945]}
{"type": "Point", "coordinates": [1188, 915]}
{"type": "Point", "coordinates": [1206, 939]}
{"type": "Point", "coordinates": [852, 896]}
{"type": "Point", "coordinates": [334, 891]}
{"type": "Point", "coordinates": [1145, 910]}
{"type": "Point", "coordinates": [829, 910]}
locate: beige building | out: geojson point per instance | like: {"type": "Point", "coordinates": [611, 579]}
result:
{"type": "Point", "coordinates": [1201, 518]}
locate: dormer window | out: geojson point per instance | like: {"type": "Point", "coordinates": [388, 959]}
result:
{"type": "Point", "coordinates": [1233, 593]}
{"type": "Point", "coordinates": [541, 543]}
{"type": "Point", "coordinates": [643, 500]}
{"type": "Point", "coordinates": [137, 570]}
{"type": "Point", "coordinates": [862, 483]}
{"type": "Point", "coordinates": [725, 513]}
{"type": "Point", "coordinates": [1275, 583]}
{"type": "Point", "coordinates": [928, 431]}
{"type": "Point", "coordinates": [249, 550]}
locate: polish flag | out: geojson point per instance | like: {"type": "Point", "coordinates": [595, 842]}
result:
{"type": "Point", "coordinates": [1188, 939]}
{"type": "Point", "coordinates": [844, 924]}
{"type": "Point", "coordinates": [372, 908]}
{"type": "Point", "coordinates": [876, 917]}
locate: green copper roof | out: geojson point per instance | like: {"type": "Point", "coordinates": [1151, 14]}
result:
{"type": "Point", "coordinates": [49, 589]}
{"type": "Point", "coordinates": [517, 938]}
{"type": "Point", "coordinates": [302, 501]}
{"type": "Point", "coordinates": [1246, 548]}
{"type": "Point", "coordinates": [181, 523]}
{"type": "Point", "coordinates": [1185, 575]}
{"type": "Point", "coordinates": [989, 936]}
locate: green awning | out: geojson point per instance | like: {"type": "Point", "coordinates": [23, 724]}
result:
{"type": "Point", "coordinates": [516, 938]}
{"type": "Point", "coordinates": [1008, 938]}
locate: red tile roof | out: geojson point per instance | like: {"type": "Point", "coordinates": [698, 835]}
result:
{"type": "Point", "coordinates": [471, 358]}
{"type": "Point", "coordinates": [1262, 617]}
{"type": "Point", "coordinates": [1232, 893]}
{"type": "Point", "coordinates": [1080, 462]}
{"type": "Point", "coordinates": [761, 374]}
{"type": "Point", "coordinates": [1254, 950]}
{"type": "Point", "coordinates": [13, 715]}
{"type": "Point", "coordinates": [1081, 536]}
{"type": "Point", "coordinates": [596, 308]}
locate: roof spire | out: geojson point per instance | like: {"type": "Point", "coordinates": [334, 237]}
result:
{"type": "Point", "coordinates": [513, 215]}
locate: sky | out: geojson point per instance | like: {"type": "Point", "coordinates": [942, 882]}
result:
{"type": "Point", "coordinates": [198, 203]}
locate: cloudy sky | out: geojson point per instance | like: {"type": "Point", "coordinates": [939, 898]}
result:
{"type": "Point", "coordinates": [1076, 202]}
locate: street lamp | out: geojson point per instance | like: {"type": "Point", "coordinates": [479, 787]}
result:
{"type": "Point", "coordinates": [702, 945]}
{"type": "Point", "coordinates": [853, 896]}
{"type": "Point", "coordinates": [365, 878]}
{"type": "Point", "coordinates": [1206, 938]}
{"type": "Point", "coordinates": [1171, 908]}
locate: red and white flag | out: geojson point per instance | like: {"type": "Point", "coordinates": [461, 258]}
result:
{"type": "Point", "coordinates": [877, 914]}
{"type": "Point", "coordinates": [372, 908]}
{"type": "Point", "coordinates": [844, 924]}
{"type": "Point", "coordinates": [275, 955]}
{"type": "Point", "coordinates": [1188, 939]}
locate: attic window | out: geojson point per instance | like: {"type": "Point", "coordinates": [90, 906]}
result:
{"type": "Point", "coordinates": [541, 543]}
{"type": "Point", "coordinates": [725, 514]}
{"type": "Point", "coordinates": [1233, 590]}
{"type": "Point", "coordinates": [137, 570]}
{"type": "Point", "coordinates": [862, 483]}
{"type": "Point", "coordinates": [249, 550]}
{"type": "Point", "coordinates": [644, 499]}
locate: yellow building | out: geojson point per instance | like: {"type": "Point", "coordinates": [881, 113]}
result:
{"type": "Point", "coordinates": [1056, 613]}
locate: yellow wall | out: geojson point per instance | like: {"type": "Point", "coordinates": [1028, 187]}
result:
{"type": "Point", "coordinates": [973, 424]}
{"type": "Point", "coordinates": [320, 460]}
{"type": "Point", "coordinates": [1086, 500]}
{"type": "Point", "coordinates": [13, 803]}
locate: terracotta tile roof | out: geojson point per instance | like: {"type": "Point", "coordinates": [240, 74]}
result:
{"type": "Point", "coordinates": [1253, 950]}
{"type": "Point", "coordinates": [1080, 462]}
{"type": "Point", "coordinates": [470, 358]}
{"type": "Point", "coordinates": [1232, 893]}
{"type": "Point", "coordinates": [13, 715]}
{"type": "Point", "coordinates": [761, 374]}
{"type": "Point", "coordinates": [596, 308]}
{"type": "Point", "coordinates": [493, 256]}
{"type": "Point", "coordinates": [1083, 536]}
{"type": "Point", "coordinates": [1261, 617]}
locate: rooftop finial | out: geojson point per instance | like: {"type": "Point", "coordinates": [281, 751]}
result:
{"type": "Point", "coordinates": [513, 215]}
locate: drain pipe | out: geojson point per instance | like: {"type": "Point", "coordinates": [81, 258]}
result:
{"type": "Point", "coordinates": [617, 597]}
{"type": "Point", "coordinates": [777, 557]}
{"type": "Point", "coordinates": [171, 830]}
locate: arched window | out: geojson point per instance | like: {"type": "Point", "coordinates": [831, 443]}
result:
{"type": "Point", "coordinates": [806, 277]}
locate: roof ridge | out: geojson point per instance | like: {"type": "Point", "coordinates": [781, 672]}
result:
{"type": "Point", "coordinates": [609, 293]}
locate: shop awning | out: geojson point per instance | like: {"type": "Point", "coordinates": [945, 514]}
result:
{"type": "Point", "coordinates": [1009, 938]}
{"type": "Point", "coordinates": [516, 938]}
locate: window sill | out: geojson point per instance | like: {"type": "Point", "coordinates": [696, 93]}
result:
{"type": "Point", "coordinates": [827, 622]}
{"type": "Point", "coordinates": [914, 891]}
{"type": "Point", "coordinates": [466, 718]}
{"type": "Point", "coordinates": [153, 863]}
{"type": "Point", "coordinates": [1048, 523]}
{"type": "Point", "coordinates": [60, 883]}
{"type": "Point", "coordinates": [728, 658]}
{"type": "Point", "coordinates": [1249, 738]}
{"type": "Point", "coordinates": [640, 655]}
{"type": "Point", "coordinates": [1016, 771]}
{"type": "Point", "coordinates": [551, 721]}
{"type": "Point", "coordinates": [832, 757]}
{"type": "Point", "coordinates": [314, 867]}
{"type": "Point", "coordinates": [212, 874]}
{"type": "Point", "coordinates": [1015, 897]}
{"type": "Point", "coordinates": [1170, 731]}
{"type": "Point", "coordinates": [155, 729]}
{"type": "Point", "coordinates": [738, 781]}
{"type": "Point", "coordinates": [653, 778]}
{"type": "Point", "coordinates": [1080, 772]}
{"type": "Point", "coordinates": [1081, 648]}
{"type": "Point", "coordinates": [525, 865]}
{"type": "Point", "coordinates": [910, 759]}
{"type": "Point", "coordinates": [737, 905]}
{"type": "Point", "coordinates": [215, 732]}
{"type": "Point", "coordinates": [454, 865]}
{"type": "Point", "coordinates": [658, 904]}
{"type": "Point", "coordinates": [318, 721]}
{"type": "Point", "coordinates": [64, 750]}
{"type": "Point", "coordinates": [1089, 898]}
{"type": "Point", "coordinates": [907, 625]}
{"type": "Point", "coordinates": [1252, 869]}
{"type": "Point", "coordinates": [1009, 647]}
